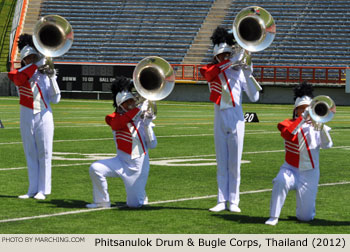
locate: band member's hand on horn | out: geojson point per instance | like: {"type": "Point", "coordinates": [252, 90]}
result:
{"type": "Point", "coordinates": [147, 110]}
{"type": "Point", "coordinates": [46, 66]}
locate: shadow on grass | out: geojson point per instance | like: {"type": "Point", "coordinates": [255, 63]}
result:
{"type": "Point", "coordinates": [245, 219]}
{"type": "Point", "coordinates": [239, 218]}
{"type": "Point", "coordinates": [120, 206]}
{"type": "Point", "coordinates": [8, 196]}
{"type": "Point", "coordinates": [320, 222]}
{"type": "Point", "coordinates": [65, 203]}
{"type": "Point", "coordinates": [123, 206]}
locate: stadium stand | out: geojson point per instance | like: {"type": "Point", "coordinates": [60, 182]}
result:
{"type": "Point", "coordinates": [311, 41]}
{"type": "Point", "coordinates": [127, 31]}
{"type": "Point", "coordinates": [309, 33]}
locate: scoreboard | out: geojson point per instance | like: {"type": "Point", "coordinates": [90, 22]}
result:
{"type": "Point", "coordinates": [83, 77]}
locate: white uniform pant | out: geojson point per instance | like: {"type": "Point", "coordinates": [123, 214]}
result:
{"type": "Point", "coordinates": [134, 174]}
{"type": "Point", "coordinates": [228, 146]}
{"type": "Point", "coordinates": [304, 182]}
{"type": "Point", "coordinates": [37, 136]}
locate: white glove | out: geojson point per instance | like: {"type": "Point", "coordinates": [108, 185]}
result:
{"type": "Point", "coordinates": [224, 66]}
{"type": "Point", "coordinates": [46, 66]}
{"type": "Point", "coordinates": [40, 62]}
{"type": "Point", "coordinates": [306, 114]}
{"type": "Point", "coordinates": [237, 57]}
{"type": "Point", "coordinates": [248, 70]}
{"type": "Point", "coordinates": [151, 137]}
{"type": "Point", "coordinates": [144, 106]}
{"type": "Point", "coordinates": [148, 118]}
{"type": "Point", "coordinates": [147, 121]}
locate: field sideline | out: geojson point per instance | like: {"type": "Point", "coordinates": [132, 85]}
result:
{"type": "Point", "coordinates": [182, 181]}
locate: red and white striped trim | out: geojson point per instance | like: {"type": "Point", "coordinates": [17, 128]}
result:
{"type": "Point", "coordinates": [291, 147]}
{"type": "Point", "coordinates": [214, 86]}
{"type": "Point", "coordinates": [25, 88]}
{"type": "Point", "coordinates": [25, 91]}
{"type": "Point", "coordinates": [122, 135]}
{"type": "Point", "coordinates": [30, 95]}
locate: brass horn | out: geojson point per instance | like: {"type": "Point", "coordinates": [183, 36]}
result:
{"type": "Point", "coordinates": [53, 35]}
{"type": "Point", "coordinates": [154, 78]}
{"type": "Point", "coordinates": [321, 110]}
{"type": "Point", "coordinates": [254, 28]}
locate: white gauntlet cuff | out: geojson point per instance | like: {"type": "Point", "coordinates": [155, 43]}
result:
{"type": "Point", "coordinates": [55, 90]}
{"type": "Point", "coordinates": [150, 133]}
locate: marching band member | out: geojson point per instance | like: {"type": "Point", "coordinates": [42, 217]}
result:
{"type": "Point", "coordinates": [300, 171]}
{"type": "Point", "coordinates": [226, 84]}
{"type": "Point", "coordinates": [37, 88]}
{"type": "Point", "coordinates": [132, 128]}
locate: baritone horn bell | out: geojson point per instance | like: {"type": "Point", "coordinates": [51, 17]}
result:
{"type": "Point", "coordinates": [322, 110]}
{"type": "Point", "coordinates": [53, 35]}
{"type": "Point", "coordinates": [254, 28]}
{"type": "Point", "coordinates": [154, 78]}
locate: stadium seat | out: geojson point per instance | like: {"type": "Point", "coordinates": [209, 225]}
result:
{"type": "Point", "coordinates": [127, 31]}
{"type": "Point", "coordinates": [307, 33]}
{"type": "Point", "coordinates": [109, 30]}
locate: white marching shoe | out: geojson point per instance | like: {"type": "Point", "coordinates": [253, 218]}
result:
{"type": "Point", "coordinates": [25, 196]}
{"type": "Point", "coordinates": [39, 196]}
{"type": "Point", "coordinates": [272, 221]}
{"type": "Point", "coordinates": [219, 207]}
{"type": "Point", "coordinates": [145, 201]}
{"type": "Point", "coordinates": [234, 208]}
{"type": "Point", "coordinates": [99, 205]}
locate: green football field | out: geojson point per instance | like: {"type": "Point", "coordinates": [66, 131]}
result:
{"type": "Point", "coordinates": [182, 180]}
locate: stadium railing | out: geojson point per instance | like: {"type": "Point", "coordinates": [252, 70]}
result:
{"type": "Point", "coordinates": [276, 74]}
{"type": "Point", "coordinates": [263, 73]}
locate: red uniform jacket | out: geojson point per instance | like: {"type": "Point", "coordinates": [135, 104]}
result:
{"type": "Point", "coordinates": [216, 77]}
{"type": "Point", "coordinates": [297, 145]}
{"type": "Point", "coordinates": [29, 91]}
{"type": "Point", "coordinates": [127, 134]}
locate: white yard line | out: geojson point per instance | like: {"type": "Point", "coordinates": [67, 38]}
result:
{"type": "Point", "coordinates": [166, 158]}
{"type": "Point", "coordinates": [68, 126]}
{"type": "Point", "coordinates": [59, 165]}
{"type": "Point", "coordinates": [168, 136]}
{"type": "Point", "coordinates": [68, 140]}
{"type": "Point", "coordinates": [152, 159]}
{"type": "Point", "coordinates": [150, 203]}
